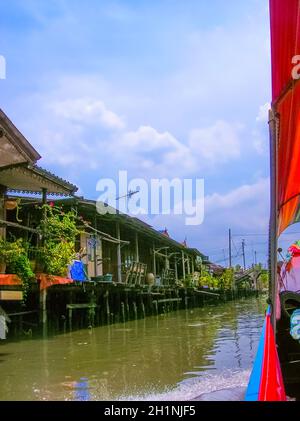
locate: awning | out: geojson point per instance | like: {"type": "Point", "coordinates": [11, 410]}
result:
{"type": "Point", "coordinates": [10, 280]}
{"type": "Point", "coordinates": [285, 37]}
{"type": "Point", "coordinates": [47, 281]}
{"type": "Point", "coordinates": [28, 178]}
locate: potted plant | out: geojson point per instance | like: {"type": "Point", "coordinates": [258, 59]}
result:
{"type": "Point", "coordinates": [20, 265]}
{"type": "Point", "coordinates": [7, 250]}
{"type": "Point", "coordinates": [14, 255]}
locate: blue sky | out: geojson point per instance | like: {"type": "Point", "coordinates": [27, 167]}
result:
{"type": "Point", "coordinates": [158, 88]}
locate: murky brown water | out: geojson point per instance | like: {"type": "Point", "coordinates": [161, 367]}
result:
{"type": "Point", "coordinates": [176, 356]}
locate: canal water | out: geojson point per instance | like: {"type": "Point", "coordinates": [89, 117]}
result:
{"type": "Point", "coordinates": [174, 356]}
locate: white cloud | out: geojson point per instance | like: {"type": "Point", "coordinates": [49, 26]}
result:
{"type": "Point", "coordinates": [147, 139]}
{"type": "Point", "coordinates": [147, 149]}
{"type": "Point", "coordinates": [88, 111]}
{"type": "Point", "coordinates": [84, 131]}
{"type": "Point", "coordinates": [244, 209]}
{"type": "Point", "coordinates": [162, 154]}
{"type": "Point", "coordinates": [218, 143]}
{"type": "Point", "coordinates": [238, 203]}
{"type": "Point", "coordinates": [245, 194]}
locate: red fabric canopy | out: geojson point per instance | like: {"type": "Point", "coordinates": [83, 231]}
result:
{"type": "Point", "coordinates": [10, 280]}
{"type": "Point", "coordinates": [47, 281]}
{"type": "Point", "coordinates": [285, 38]}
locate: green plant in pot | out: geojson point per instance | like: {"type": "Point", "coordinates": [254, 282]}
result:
{"type": "Point", "coordinates": [15, 256]}
{"type": "Point", "coordinates": [7, 250]}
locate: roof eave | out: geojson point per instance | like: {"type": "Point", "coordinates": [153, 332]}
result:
{"type": "Point", "coordinates": [19, 141]}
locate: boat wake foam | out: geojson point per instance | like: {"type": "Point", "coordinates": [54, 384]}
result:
{"type": "Point", "coordinates": [226, 386]}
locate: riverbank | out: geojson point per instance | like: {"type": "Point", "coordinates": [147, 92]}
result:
{"type": "Point", "coordinates": [65, 308]}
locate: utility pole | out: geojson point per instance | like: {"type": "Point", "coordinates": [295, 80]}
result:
{"type": "Point", "coordinates": [255, 257]}
{"type": "Point", "coordinates": [244, 259]}
{"type": "Point", "coordinates": [230, 256]}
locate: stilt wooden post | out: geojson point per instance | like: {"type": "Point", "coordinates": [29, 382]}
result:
{"type": "Point", "coordinates": [135, 310]}
{"type": "Point", "coordinates": [127, 308]}
{"type": "Point", "coordinates": [119, 260]}
{"type": "Point", "coordinates": [123, 312]}
{"type": "Point", "coordinates": [43, 311]}
{"type": "Point", "coordinates": [143, 308]}
{"type": "Point", "coordinates": [70, 315]}
{"type": "Point", "coordinates": [176, 269]}
{"type": "Point", "coordinates": [188, 265]}
{"type": "Point", "coordinates": [44, 202]}
{"type": "Point", "coordinates": [137, 256]}
{"type": "Point", "coordinates": [167, 263]}
{"type": "Point", "coordinates": [43, 293]}
{"type": "Point", "coordinates": [101, 258]}
{"type": "Point", "coordinates": [3, 190]}
{"type": "Point", "coordinates": [154, 260]}
{"type": "Point", "coordinates": [107, 306]}
{"type": "Point", "coordinates": [186, 298]}
{"type": "Point", "coordinates": [183, 264]}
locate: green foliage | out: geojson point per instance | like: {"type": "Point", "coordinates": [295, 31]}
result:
{"type": "Point", "coordinates": [58, 225]}
{"type": "Point", "coordinates": [222, 282]}
{"type": "Point", "coordinates": [20, 265]}
{"type": "Point", "coordinates": [188, 282]}
{"type": "Point", "coordinates": [264, 279]}
{"type": "Point", "coordinates": [59, 233]}
{"type": "Point", "coordinates": [226, 279]}
{"type": "Point", "coordinates": [57, 257]}
{"type": "Point", "coordinates": [206, 279]}
{"type": "Point", "coordinates": [9, 249]}
{"type": "Point", "coordinates": [14, 254]}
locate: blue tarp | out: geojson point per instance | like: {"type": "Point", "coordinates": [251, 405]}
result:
{"type": "Point", "coordinates": [77, 271]}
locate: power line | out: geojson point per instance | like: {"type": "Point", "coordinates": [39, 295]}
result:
{"type": "Point", "coordinates": [216, 251]}
{"type": "Point", "coordinates": [227, 259]}
{"type": "Point", "coordinates": [235, 246]}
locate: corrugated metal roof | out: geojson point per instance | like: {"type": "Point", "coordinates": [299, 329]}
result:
{"type": "Point", "coordinates": [29, 178]}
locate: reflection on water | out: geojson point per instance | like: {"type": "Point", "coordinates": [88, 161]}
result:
{"type": "Point", "coordinates": [175, 356]}
{"type": "Point", "coordinates": [82, 390]}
